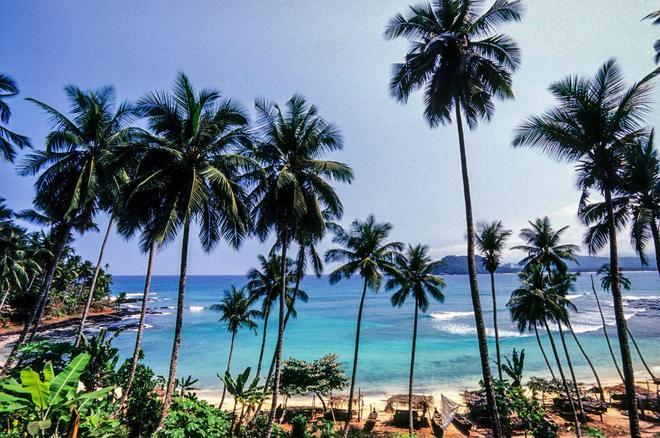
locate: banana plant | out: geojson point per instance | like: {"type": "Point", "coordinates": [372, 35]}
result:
{"type": "Point", "coordinates": [47, 402]}
{"type": "Point", "coordinates": [247, 395]}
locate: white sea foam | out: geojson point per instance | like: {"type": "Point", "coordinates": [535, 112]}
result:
{"type": "Point", "coordinates": [640, 297]}
{"type": "Point", "coordinates": [146, 326]}
{"type": "Point", "coordinates": [444, 316]}
{"type": "Point", "coordinates": [196, 308]}
{"type": "Point", "coordinates": [574, 296]}
{"type": "Point", "coordinates": [468, 329]}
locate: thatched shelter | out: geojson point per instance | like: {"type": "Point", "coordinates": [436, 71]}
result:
{"type": "Point", "coordinates": [422, 403]}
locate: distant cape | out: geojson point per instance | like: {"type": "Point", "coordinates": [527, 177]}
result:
{"type": "Point", "coordinates": [453, 264]}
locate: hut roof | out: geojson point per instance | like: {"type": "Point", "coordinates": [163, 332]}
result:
{"type": "Point", "coordinates": [418, 401]}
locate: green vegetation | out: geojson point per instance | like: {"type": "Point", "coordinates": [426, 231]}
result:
{"type": "Point", "coordinates": [191, 158]}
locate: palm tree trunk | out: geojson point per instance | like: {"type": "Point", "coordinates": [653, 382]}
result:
{"type": "Point", "coordinates": [621, 325]}
{"type": "Point", "coordinates": [591, 365]}
{"type": "Point", "coordinates": [355, 358]}
{"type": "Point", "coordinates": [289, 311]}
{"type": "Point", "coordinates": [263, 344]}
{"type": "Point", "coordinates": [607, 338]}
{"type": "Point", "coordinates": [4, 298]}
{"type": "Point", "coordinates": [639, 352]}
{"type": "Point", "coordinates": [280, 336]}
{"type": "Point", "coordinates": [140, 331]}
{"type": "Point", "coordinates": [570, 368]}
{"type": "Point", "coordinates": [178, 325]}
{"type": "Point", "coordinates": [656, 243]}
{"type": "Point", "coordinates": [497, 333]}
{"type": "Point", "coordinates": [92, 287]}
{"type": "Point", "coordinates": [296, 288]}
{"type": "Point", "coordinates": [231, 352]}
{"type": "Point", "coordinates": [474, 285]}
{"type": "Point", "coordinates": [37, 310]}
{"type": "Point", "coordinates": [411, 429]}
{"type": "Point", "coordinates": [547, 362]}
{"type": "Point", "coordinates": [578, 432]}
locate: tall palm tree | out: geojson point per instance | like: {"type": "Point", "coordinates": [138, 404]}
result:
{"type": "Point", "coordinates": [264, 284]}
{"type": "Point", "coordinates": [543, 248]}
{"type": "Point", "coordinates": [461, 63]}
{"type": "Point", "coordinates": [237, 312]}
{"type": "Point", "coordinates": [490, 241]}
{"type": "Point", "coordinates": [9, 140]}
{"type": "Point", "coordinates": [565, 282]}
{"type": "Point", "coordinates": [607, 337]}
{"type": "Point", "coordinates": [293, 190]}
{"type": "Point", "coordinates": [535, 303]}
{"type": "Point", "coordinates": [562, 282]}
{"type": "Point", "coordinates": [364, 250]}
{"type": "Point", "coordinates": [138, 210]}
{"type": "Point", "coordinates": [594, 122]}
{"type": "Point", "coordinates": [640, 184]}
{"type": "Point", "coordinates": [606, 283]}
{"type": "Point", "coordinates": [73, 171]}
{"type": "Point", "coordinates": [412, 276]}
{"type": "Point", "coordinates": [79, 148]}
{"type": "Point", "coordinates": [655, 18]}
{"type": "Point", "coordinates": [191, 164]}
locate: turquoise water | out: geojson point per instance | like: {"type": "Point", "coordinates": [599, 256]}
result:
{"type": "Point", "coordinates": [447, 357]}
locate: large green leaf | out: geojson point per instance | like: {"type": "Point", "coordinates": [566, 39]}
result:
{"type": "Point", "coordinates": [65, 384]}
{"type": "Point", "coordinates": [39, 391]}
{"type": "Point", "coordinates": [85, 398]}
{"type": "Point", "coordinates": [10, 403]}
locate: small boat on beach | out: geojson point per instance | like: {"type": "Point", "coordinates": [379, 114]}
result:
{"type": "Point", "coordinates": [462, 423]}
{"type": "Point", "coordinates": [371, 421]}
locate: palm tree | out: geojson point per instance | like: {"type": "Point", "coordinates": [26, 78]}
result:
{"type": "Point", "coordinates": [655, 18]}
{"type": "Point", "coordinates": [9, 140]}
{"type": "Point", "coordinates": [412, 276]}
{"type": "Point", "coordinates": [189, 170]}
{"type": "Point", "coordinates": [61, 224]}
{"type": "Point", "coordinates": [74, 170]}
{"type": "Point", "coordinates": [607, 338]}
{"type": "Point", "coordinates": [565, 282]}
{"type": "Point", "coordinates": [596, 119]}
{"type": "Point", "coordinates": [562, 282]}
{"type": "Point", "coordinates": [265, 284]}
{"type": "Point", "coordinates": [543, 247]}
{"type": "Point", "coordinates": [533, 304]}
{"type": "Point", "coordinates": [79, 150]}
{"type": "Point", "coordinates": [293, 190]}
{"type": "Point", "coordinates": [136, 214]}
{"type": "Point", "coordinates": [606, 283]}
{"type": "Point", "coordinates": [462, 64]}
{"type": "Point", "coordinates": [640, 184]}
{"type": "Point", "coordinates": [15, 264]}
{"type": "Point", "coordinates": [365, 251]}
{"type": "Point", "coordinates": [237, 313]}
{"type": "Point", "coordinates": [490, 241]}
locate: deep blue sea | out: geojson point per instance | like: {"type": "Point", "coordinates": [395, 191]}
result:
{"type": "Point", "coordinates": [447, 357]}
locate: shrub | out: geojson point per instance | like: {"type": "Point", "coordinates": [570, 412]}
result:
{"type": "Point", "coordinates": [193, 418]}
{"type": "Point", "coordinates": [143, 408]}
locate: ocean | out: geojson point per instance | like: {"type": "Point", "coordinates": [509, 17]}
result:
{"type": "Point", "coordinates": [447, 356]}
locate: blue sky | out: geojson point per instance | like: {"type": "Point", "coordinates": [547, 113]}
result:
{"type": "Point", "coordinates": [333, 53]}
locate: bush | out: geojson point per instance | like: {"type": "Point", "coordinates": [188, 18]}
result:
{"type": "Point", "coordinates": [143, 408]}
{"type": "Point", "coordinates": [193, 418]}
{"type": "Point", "coordinates": [257, 428]}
